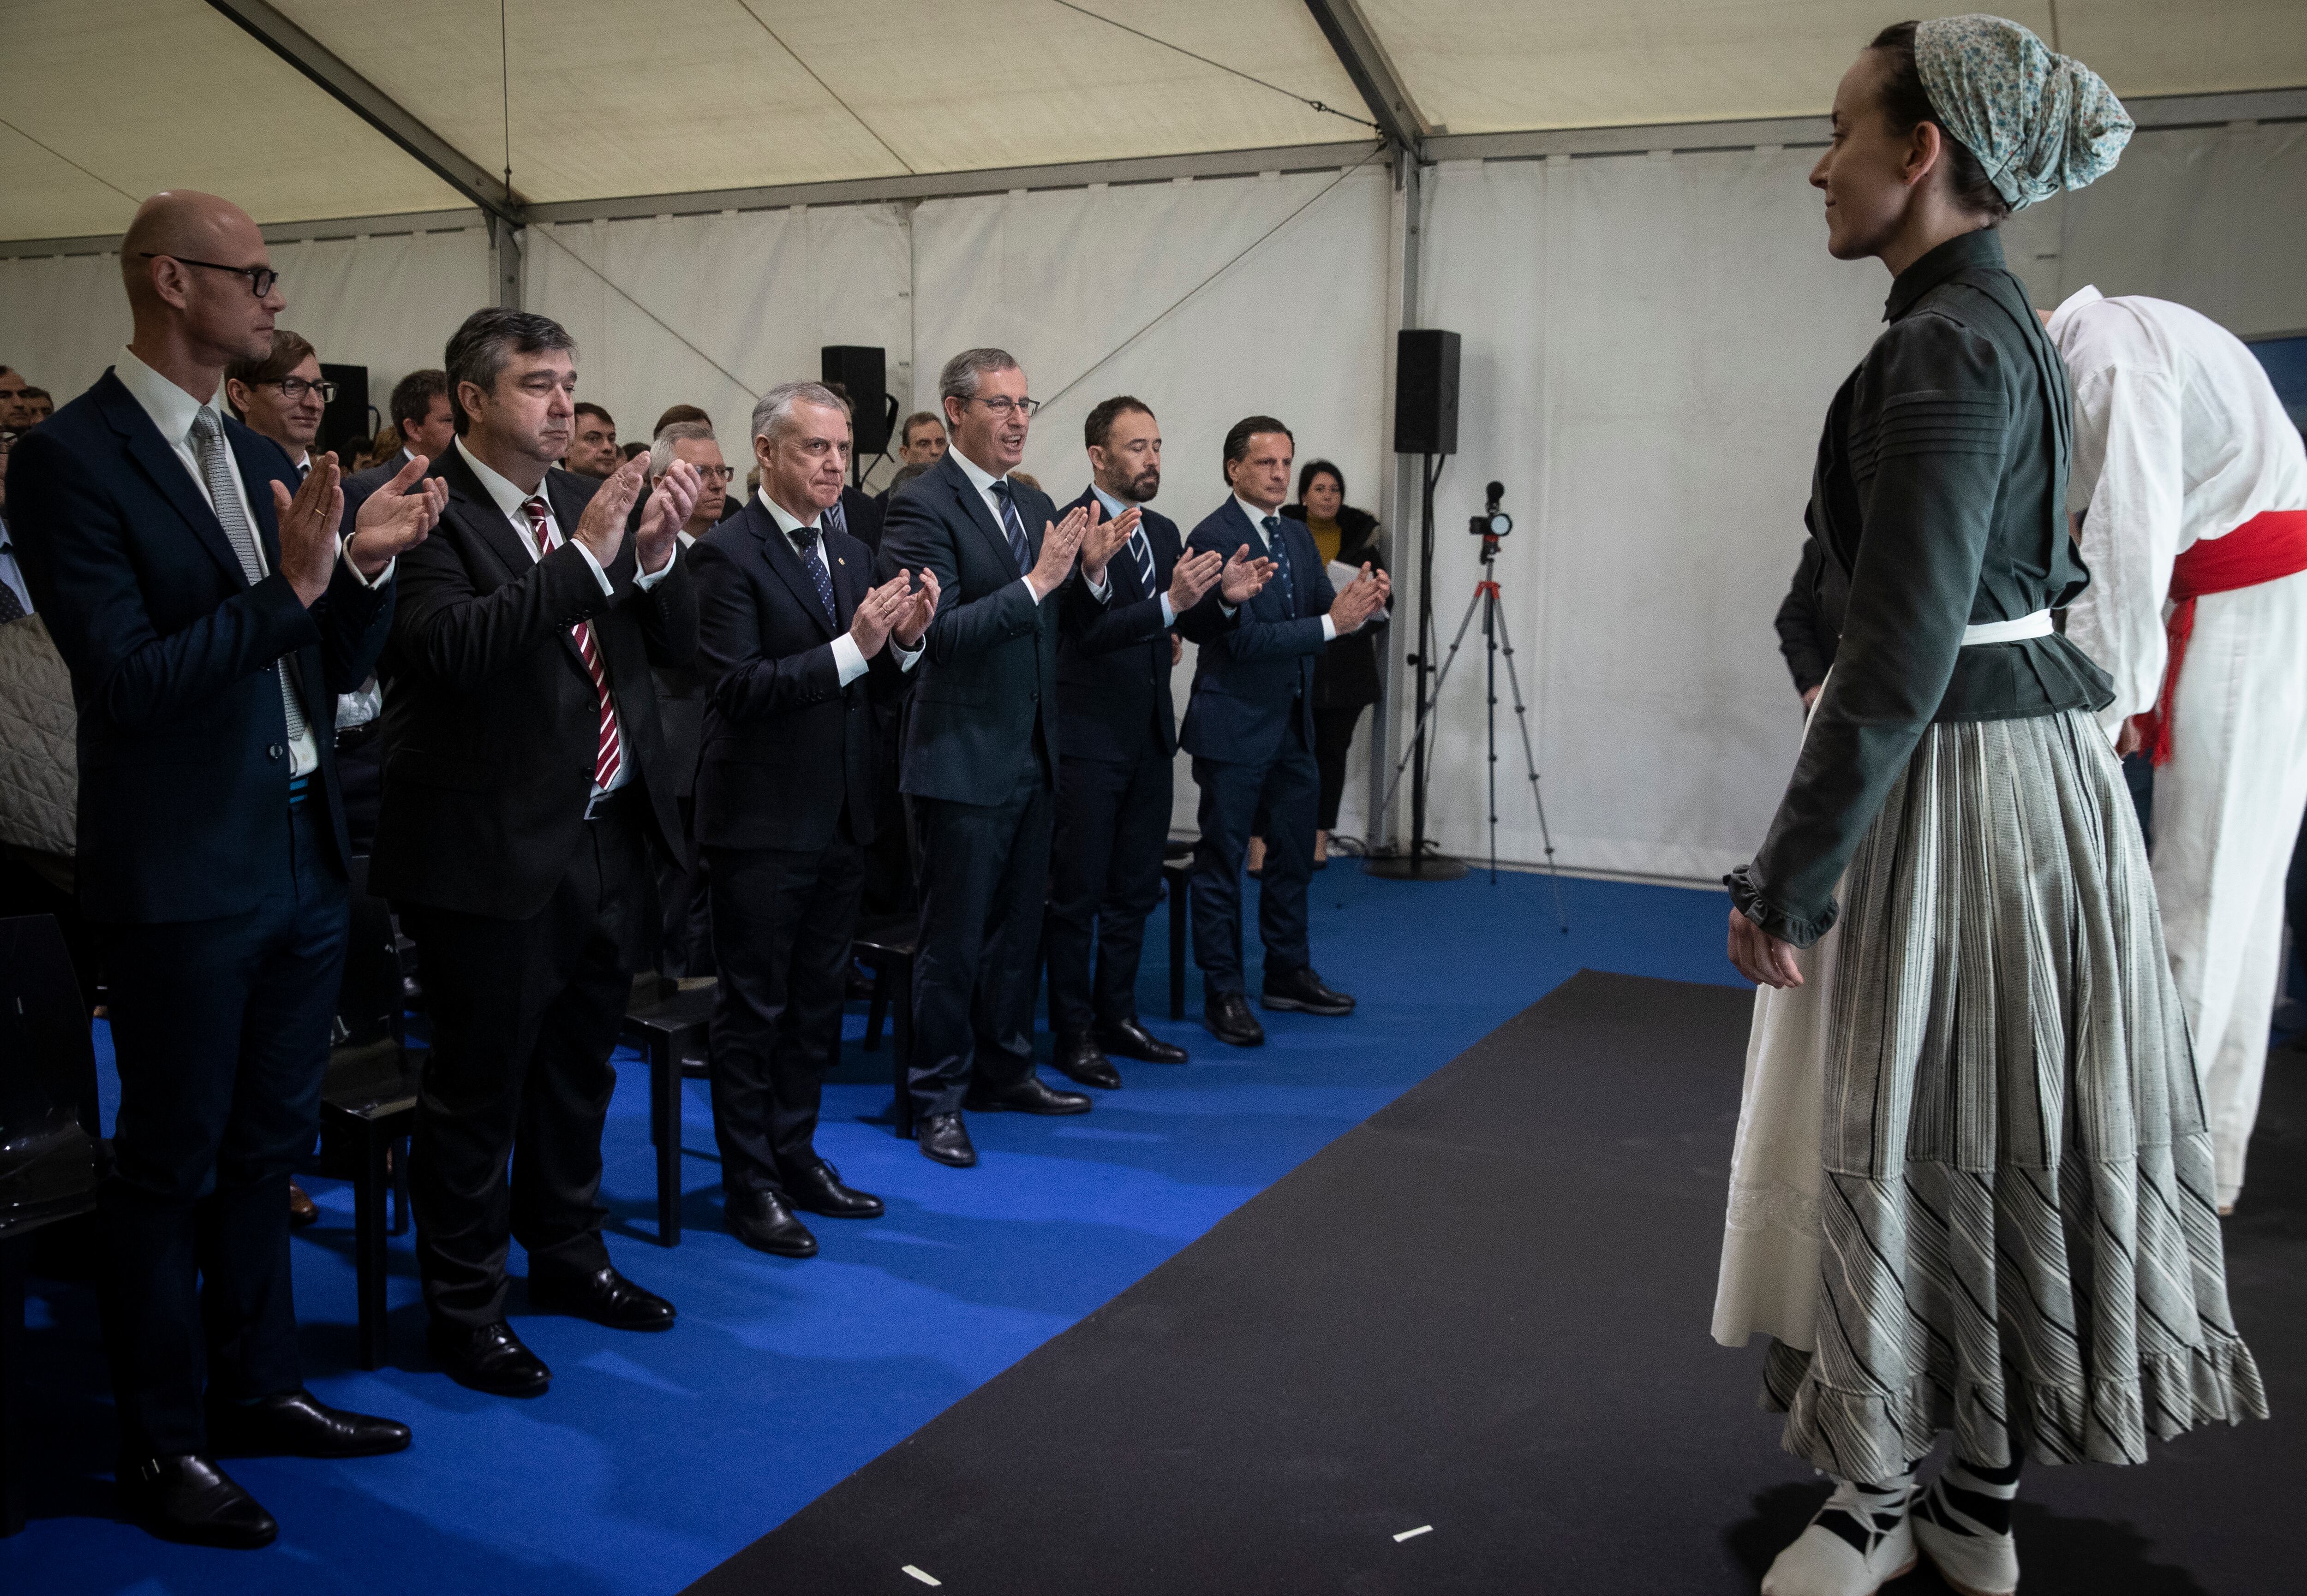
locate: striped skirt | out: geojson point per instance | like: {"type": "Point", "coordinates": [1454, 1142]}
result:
{"type": "Point", "coordinates": [2011, 1206]}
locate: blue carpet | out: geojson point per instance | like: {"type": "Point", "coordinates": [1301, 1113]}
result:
{"type": "Point", "coordinates": [656, 1457]}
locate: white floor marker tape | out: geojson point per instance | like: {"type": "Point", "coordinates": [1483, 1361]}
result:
{"type": "Point", "coordinates": [918, 1575]}
{"type": "Point", "coordinates": [1409, 1534]}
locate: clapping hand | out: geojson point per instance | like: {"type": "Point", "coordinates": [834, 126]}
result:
{"type": "Point", "coordinates": [1359, 600]}
{"type": "Point", "coordinates": [668, 511]}
{"type": "Point", "coordinates": [602, 527]}
{"type": "Point", "coordinates": [913, 618]}
{"type": "Point", "coordinates": [1193, 576]}
{"type": "Point", "coordinates": [1245, 576]}
{"type": "Point", "coordinates": [877, 611]}
{"type": "Point", "coordinates": [396, 518]}
{"type": "Point", "coordinates": [1104, 538]}
{"type": "Point", "coordinates": [308, 529]}
{"type": "Point", "coordinates": [1059, 544]}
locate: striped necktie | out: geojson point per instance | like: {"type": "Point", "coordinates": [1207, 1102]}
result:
{"type": "Point", "coordinates": [1020, 550]}
{"type": "Point", "coordinates": [608, 750]}
{"type": "Point", "coordinates": [218, 472]}
{"type": "Point", "coordinates": [1142, 552]}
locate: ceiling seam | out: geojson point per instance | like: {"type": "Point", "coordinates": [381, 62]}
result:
{"type": "Point", "coordinates": [747, 6]}
{"type": "Point", "coordinates": [1326, 109]}
{"type": "Point", "coordinates": [75, 165]}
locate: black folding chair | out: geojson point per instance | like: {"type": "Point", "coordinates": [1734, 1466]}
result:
{"type": "Point", "coordinates": [669, 1028]}
{"type": "Point", "coordinates": [1177, 881]}
{"type": "Point", "coordinates": [884, 944]}
{"type": "Point", "coordinates": [49, 1149]}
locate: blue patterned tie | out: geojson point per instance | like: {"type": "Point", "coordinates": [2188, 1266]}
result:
{"type": "Point", "coordinates": [833, 518]}
{"type": "Point", "coordinates": [1281, 558]}
{"type": "Point", "coordinates": [1020, 550]}
{"type": "Point", "coordinates": [805, 545]}
{"type": "Point", "coordinates": [1142, 552]}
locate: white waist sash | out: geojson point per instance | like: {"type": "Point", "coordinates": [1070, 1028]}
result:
{"type": "Point", "coordinates": [2037, 625]}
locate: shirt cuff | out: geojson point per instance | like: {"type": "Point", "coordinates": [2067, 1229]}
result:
{"type": "Point", "coordinates": [607, 588]}
{"type": "Point", "coordinates": [1329, 630]}
{"type": "Point", "coordinates": [379, 580]}
{"type": "Point", "coordinates": [645, 580]}
{"type": "Point", "coordinates": [1100, 591]}
{"type": "Point", "coordinates": [907, 658]}
{"type": "Point", "coordinates": [1169, 616]}
{"type": "Point", "coordinates": [1036, 595]}
{"type": "Point", "coordinates": [848, 659]}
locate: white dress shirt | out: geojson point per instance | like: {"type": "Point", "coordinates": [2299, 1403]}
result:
{"type": "Point", "coordinates": [1114, 511]}
{"type": "Point", "coordinates": [847, 657]}
{"type": "Point", "coordinates": [509, 498]}
{"type": "Point", "coordinates": [173, 411]}
{"type": "Point", "coordinates": [982, 481]}
{"type": "Point", "coordinates": [11, 573]}
{"type": "Point", "coordinates": [1257, 518]}
{"type": "Point", "coordinates": [2179, 436]}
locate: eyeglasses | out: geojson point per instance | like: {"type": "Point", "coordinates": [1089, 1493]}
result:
{"type": "Point", "coordinates": [295, 389]}
{"type": "Point", "coordinates": [717, 474]}
{"type": "Point", "coordinates": [261, 278]}
{"type": "Point", "coordinates": [1005, 407]}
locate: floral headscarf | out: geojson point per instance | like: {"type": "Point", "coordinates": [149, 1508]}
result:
{"type": "Point", "coordinates": [2038, 122]}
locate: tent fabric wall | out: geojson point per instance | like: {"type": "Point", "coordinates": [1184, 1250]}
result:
{"type": "Point", "coordinates": [387, 303]}
{"type": "Point", "coordinates": [760, 292]}
{"type": "Point", "coordinates": [1295, 328]}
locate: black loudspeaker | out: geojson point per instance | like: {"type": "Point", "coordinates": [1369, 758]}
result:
{"type": "Point", "coordinates": [1424, 391]}
{"type": "Point", "coordinates": [860, 371]}
{"type": "Point", "coordinates": [345, 418]}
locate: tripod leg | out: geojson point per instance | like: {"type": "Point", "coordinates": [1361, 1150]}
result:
{"type": "Point", "coordinates": [1529, 764]}
{"type": "Point", "coordinates": [1432, 699]}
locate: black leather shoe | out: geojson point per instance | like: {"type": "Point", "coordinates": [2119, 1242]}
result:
{"type": "Point", "coordinates": [1082, 1060]}
{"type": "Point", "coordinates": [487, 1358]}
{"type": "Point", "coordinates": [763, 1222]}
{"type": "Point", "coordinates": [605, 1296]}
{"type": "Point", "coordinates": [1130, 1038]}
{"type": "Point", "coordinates": [188, 1498]}
{"type": "Point", "coordinates": [1228, 1016]}
{"type": "Point", "coordinates": [818, 1189]}
{"type": "Point", "coordinates": [1302, 989]}
{"type": "Point", "coordinates": [298, 1424]}
{"type": "Point", "coordinates": [944, 1138]}
{"type": "Point", "coordinates": [1032, 1095]}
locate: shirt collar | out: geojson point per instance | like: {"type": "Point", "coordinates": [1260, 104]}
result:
{"type": "Point", "coordinates": [1114, 508]}
{"type": "Point", "coordinates": [1982, 246]}
{"type": "Point", "coordinates": [500, 489]}
{"type": "Point", "coordinates": [1257, 516]}
{"type": "Point", "coordinates": [782, 516]}
{"type": "Point", "coordinates": [171, 408]}
{"type": "Point", "coordinates": [2064, 317]}
{"type": "Point", "coordinates": [979, 478]}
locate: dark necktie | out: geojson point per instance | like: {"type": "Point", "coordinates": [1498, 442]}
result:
{"type": "Point", "coordinates": [1020, 550]}
{"type": "Point", "coordinates": [804, 541]}
{"type": "Point", "coordinates": [1281, 558]}
{"type": "Point", "coordinates": [11, 607]}
{"type": "Point", "coordinates": [835, 521]}
{"type": "Point", "coordinates": [1142, 552]}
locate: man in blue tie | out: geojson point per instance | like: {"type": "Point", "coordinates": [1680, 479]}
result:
{"type": "Point", "coordinates": [980, 750]}
{"type": "Point", "coordinates": [1121, 738]}
{"type": "Point", "coordinates": [1249, 727]}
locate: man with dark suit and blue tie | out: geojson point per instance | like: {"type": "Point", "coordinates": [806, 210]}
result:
{"type": "Point", "coordinates": [1249, 728]}
{"type": "Point", "coordinates": [526, 779]}
{"type": "Point", "coordinates": [981, 751]}
{"type": "Point", "coordinates": [208, 615]}
{"type": "Point", "coordinates": [794, 641]}
{"type": "Point", "coordinates": [1118, 730]}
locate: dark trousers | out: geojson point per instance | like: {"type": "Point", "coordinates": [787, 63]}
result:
{"type": "Point", "coordinates": [1105, 877]}
{"type": "Point", "coordinates": [891, 887]}
{"type": "Point", "coordinates": [1284, 791]}
{"type": "Point", "coordinates": [524, 1015]}
{"type": "Point", "coordinates": [782, 919]}
{"type": "Point", "coordinates": [360, 778]}
{"type": "Point", "coordinates": [220, 1030]}
{"type": "Point", "coordinates": [1333, 737]}
{"type": "Point", "coordinates": [985, 874]}
{"type": "Point", "coordinates": [685, 903]}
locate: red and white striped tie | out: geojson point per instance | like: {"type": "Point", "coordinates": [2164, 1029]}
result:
{"type": "Point", "coordinates": [609, 752]}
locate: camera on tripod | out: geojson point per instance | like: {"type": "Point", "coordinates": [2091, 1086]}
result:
{"type": "Point", "coordinates": [1493, 522]}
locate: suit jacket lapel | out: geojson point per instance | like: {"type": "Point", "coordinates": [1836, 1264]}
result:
{"type": "Point", "coordinates": [160, 463]}
{"type": "Point", "coordinates": [973, 505]}
{"type": "Point", "coordinates": [478, 514]}
{"type": "Point", "coordinates": [777, 549]}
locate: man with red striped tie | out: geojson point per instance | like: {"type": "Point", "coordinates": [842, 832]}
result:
{"type": "Point", "coordinates": [525, 771]}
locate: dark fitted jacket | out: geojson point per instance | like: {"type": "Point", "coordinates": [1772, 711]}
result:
{"type": "Point", "coordinates": [1347, 676]}
{"type": "Point", "coordinates": [786, 745]}
{"type": "Point", "coordinates": [986, 695]}
{"type": "Point", "coordinates": [1258, 665]}
{"type": "Point", "coordinates": [1940, 492]}
{"type": "Point", "coordinates": [1810, 616]}
{"type": "Point", "coordinates": [184, 757]}
{"type": "Point", "coordinates": [1113, 659]}
{"type": "Point", "coordinates": [491, 723]}
{"type": "Point", "coordinates": [861, 514]}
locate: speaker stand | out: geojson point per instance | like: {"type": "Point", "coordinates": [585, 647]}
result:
{"type": "Point", "coordinates": [1422, 861]}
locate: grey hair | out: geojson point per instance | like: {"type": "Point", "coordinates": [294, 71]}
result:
{"type": "Point", "coordinates": [661, 451]}
{"type": "Point", "coordinates": [774, 409]}
{"type": "Point", "coordinates": [963, 372]}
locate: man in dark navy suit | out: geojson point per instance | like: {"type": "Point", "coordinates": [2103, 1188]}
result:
{"type": "Point", "coordinates": [981, 751]}
{"type": "Point", "coordinates": [1249, 727]}
{"type": "Point", "coordinates": [209, 617]}
{"type": "Point", "coordinates": [525, 779]}
{"type": "Point", "coordinates": [794, 641]}
{"type": "Point", "coordinates": [420, 416]}
{"type": "Point", "coordinates": [1119, 735]}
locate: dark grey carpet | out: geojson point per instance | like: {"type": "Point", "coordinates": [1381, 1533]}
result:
{"type": "Point", "coordinates": [1485, 1310]}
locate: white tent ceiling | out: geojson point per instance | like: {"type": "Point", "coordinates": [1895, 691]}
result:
{"type": "Point", "coordinates": [102, 101]}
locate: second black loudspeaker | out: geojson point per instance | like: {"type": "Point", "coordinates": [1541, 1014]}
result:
{"type": "Point", "coordinates": [1424, 391]}
{"type": "Point", "coordinates": [861, 370]}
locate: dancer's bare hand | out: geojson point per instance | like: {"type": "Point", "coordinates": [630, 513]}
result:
{"type": "Point", "coordinates": [1762, 959]}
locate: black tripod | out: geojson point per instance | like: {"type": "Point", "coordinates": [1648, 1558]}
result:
{"type": "Point", "coordinates": [1495, 642]}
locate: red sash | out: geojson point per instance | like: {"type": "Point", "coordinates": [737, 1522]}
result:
{"type": "Point", "coordinates": [2271, 544]}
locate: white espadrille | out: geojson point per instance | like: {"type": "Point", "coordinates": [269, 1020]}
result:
{"type": "Point", "coordinates": [1861, 1539]}
{"type": "Point", "coordinates": [1974, 1559]}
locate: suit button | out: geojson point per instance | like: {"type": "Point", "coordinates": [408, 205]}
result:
{"type": "Point", "coordinates": [274, 752]}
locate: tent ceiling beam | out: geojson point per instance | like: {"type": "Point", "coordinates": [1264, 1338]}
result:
{"type": "Point", "coordinates": [1359, 51]}
{"type": "Point", "coordinates": [372, 105]}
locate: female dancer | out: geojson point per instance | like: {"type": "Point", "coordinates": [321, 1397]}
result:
{"type": "Point", "coordinates": [1973, 1190]}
